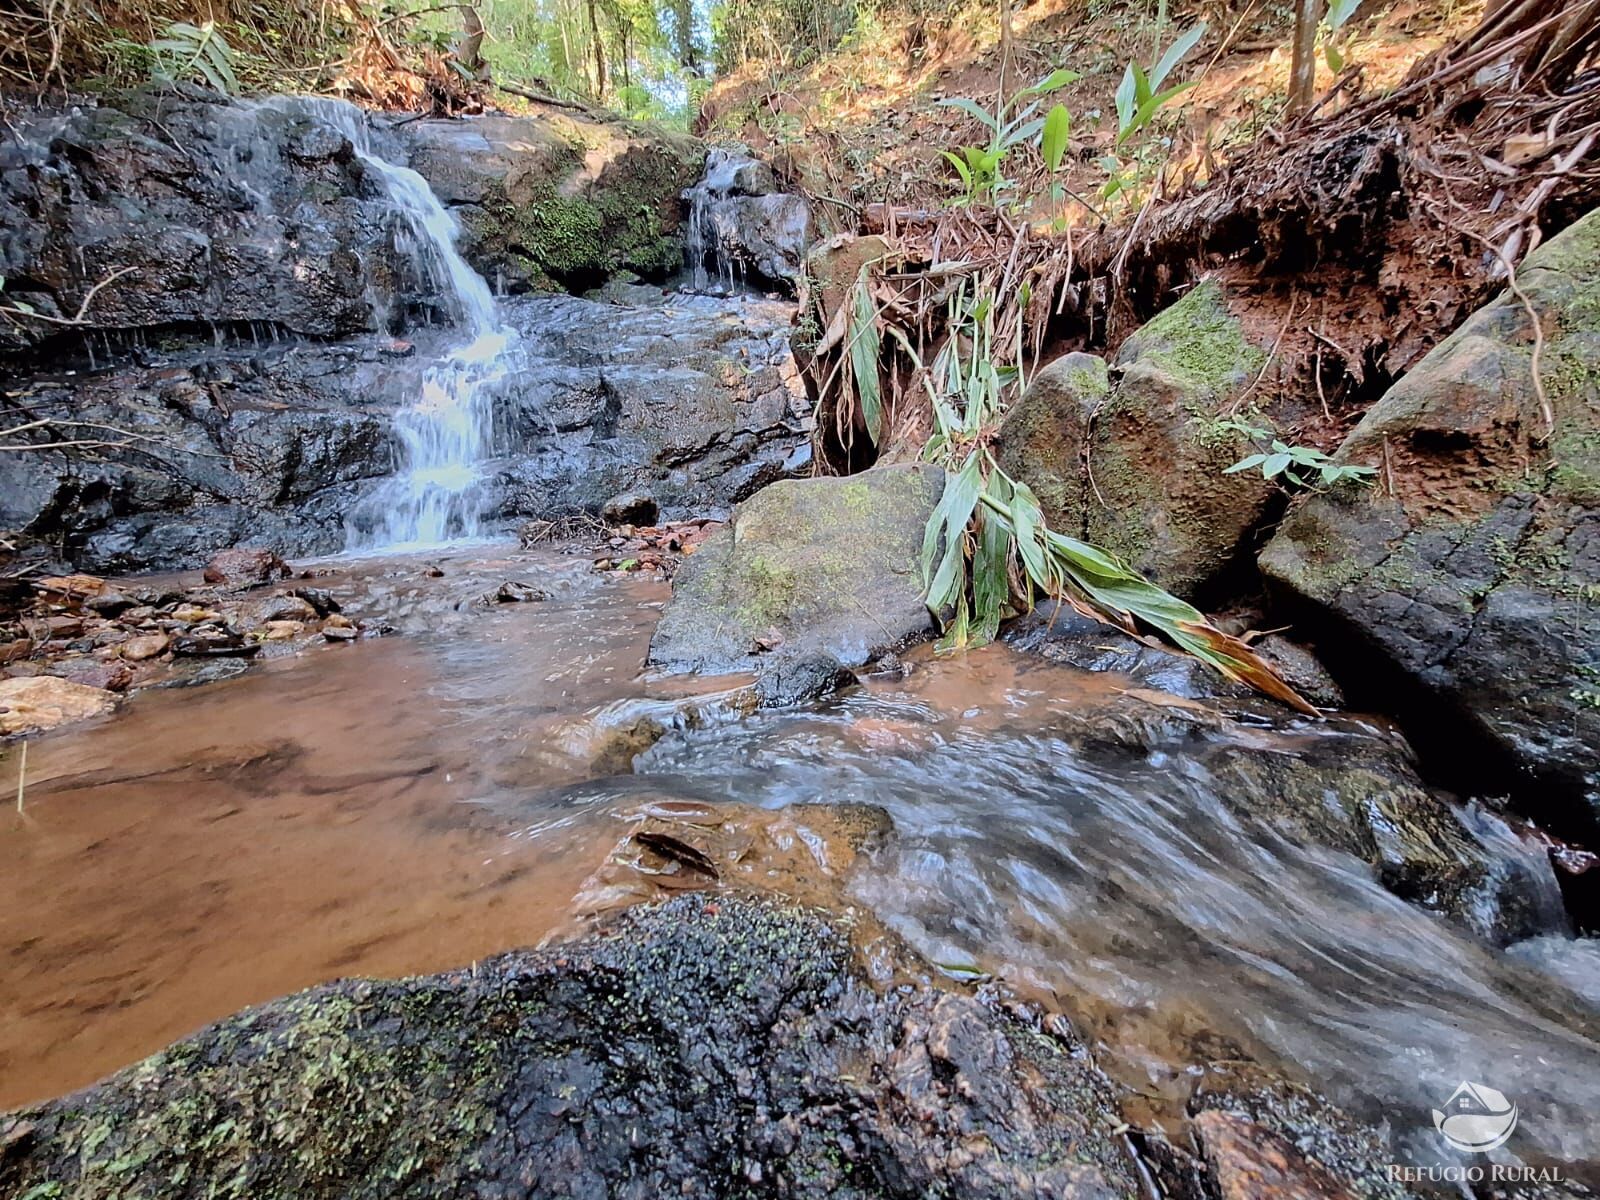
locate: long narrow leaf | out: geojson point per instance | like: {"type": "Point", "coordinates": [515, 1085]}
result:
{"type": "Point", "coordinates": [1175, 53]}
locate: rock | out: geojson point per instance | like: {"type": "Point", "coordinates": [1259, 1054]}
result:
{"type": "Point", "coordinates": [630, 508]}
{"type": "Point", "coordinates": [806, 567]}
{"type": "Point", "coordinates": [240, 569]}
{"type": "Point", "coordinates": [1250, 1162]}
{"type": "Point", "coordinates": [513, 592]}
{"type": "Point", "coordinates": [1065, 637]}
{"type": "Point", "coordinates": [213, 644]}
{"type": "Point", "coordinates": [106, 676]}
{"type": "Point", "coordinates": [740, 224]}
{"type": "Point", "coordinates": [283, 631]}
{"type": "Point", "coordinates": [800, 680]}
{"type": "Point", "coordinates": [43, 702]}
{"type": "Point", "coordinates": [699, 1048]}
{"type": "Point", "coordinates": [1471, 569]}
{"type": "Point", "coordinates": [322, 601]}
{"type": "Point", "coordinates": [279, 608]}
{"type": "Point", "coordinates": [209, 204]}
{"type": "Point", "coordinates": [340, 633]}
{"type": "Point", "coordinates": [1136, 467]}
{"type": "Point", "coordinates": [559, 195]}
{"type": "Point", "coordinates": [1254, 1125]}
{"type": "Point", "coordinates": [145, 646]}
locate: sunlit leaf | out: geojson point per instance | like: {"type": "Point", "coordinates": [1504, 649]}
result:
{"type": "Point", "coordinates": [1175, 53]}
{"type": "Point", "coordinates": [1053, 141]}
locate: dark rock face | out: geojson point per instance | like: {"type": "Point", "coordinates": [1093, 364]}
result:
{"type": "Point", "coordinates": [695, 402]}
{"type": "Point", "coordinates": [698, 1048]}
{"type": "Point", "coordinates": [741, 225]}
{"type": "Point", "coordinates": [1134, 463]}
{"type": "Point", "coordinates": [1472, 567]}
{"type": "Point", "coordinates": [217, 212]}
{"type": "Point", "coordinates": [806, 568]}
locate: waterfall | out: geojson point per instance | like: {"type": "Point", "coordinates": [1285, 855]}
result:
{"type": "Point", "coordinates": [705, 239]}
{"type": "Point", "coordinates": [446, 430]}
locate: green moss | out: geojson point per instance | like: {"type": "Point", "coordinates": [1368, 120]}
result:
{"type": "Point", "coordinates": [1198, 342]}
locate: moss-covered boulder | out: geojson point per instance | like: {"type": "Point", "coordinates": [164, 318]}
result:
{"type": "Point", "coordinates": [1134, 462]}
{"type": "Point", "coordinates": [706, 1047]}
{"type": "Point", "coordinates": [1471, 568]}
{"type": "Point", "coordinates": [806, 567]}
{"type": "Point", "coordinates": [560, 197]}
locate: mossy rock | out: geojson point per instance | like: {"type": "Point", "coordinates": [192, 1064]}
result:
{"type": "Point", "coordinates": [1137, 465]}
{"type": "Point", "coordinates": [806, 567]}
{"type": "Point", "coordinates": [706, 1047]}
{"type": "Point", "coordinates": [557, 199]}
{"type": "Point", "coordinates": [1472, 566]}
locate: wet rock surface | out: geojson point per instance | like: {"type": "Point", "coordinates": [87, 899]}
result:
{"type": "Point", "coordinates": [1469, 569]}
{"type": "Point", "coordinates": [691, 400]}
{"type": "Point", "coordinates": [559, 196]}
{"type": "Point", "coordinates": [698, 1049]}
{"type": "Point", "coordinates": [824, 566]}
{"type": "Point", "coordinates": [741, 227]}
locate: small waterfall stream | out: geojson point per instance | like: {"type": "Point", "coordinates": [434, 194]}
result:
{"type": "Point", "coordinates": [446, 430]}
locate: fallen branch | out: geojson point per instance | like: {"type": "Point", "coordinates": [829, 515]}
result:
{"type": "Point", "coordinates": [77, 318]}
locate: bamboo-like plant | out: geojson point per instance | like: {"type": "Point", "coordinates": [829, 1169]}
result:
{"type": "Point", "coordinates": [988, 552]}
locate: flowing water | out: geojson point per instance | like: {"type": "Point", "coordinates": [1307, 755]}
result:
{"type": "Point", "coordinates": [409, 803]}
{"type": "Point", "coordinates": [446, 431]}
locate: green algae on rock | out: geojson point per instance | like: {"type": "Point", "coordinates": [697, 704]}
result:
{"type": "Point", "coordinates": [1137, 466]}
{"type": "Point", "coordinates": [1472, 568]}
{"type": "Point", "coordinates": [806, 567]}
{"type": "Point", "coordinates": [699, 1048]}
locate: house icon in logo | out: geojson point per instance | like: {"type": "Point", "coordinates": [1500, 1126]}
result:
{"type": "Point", "coordinates": [1476, 1118]}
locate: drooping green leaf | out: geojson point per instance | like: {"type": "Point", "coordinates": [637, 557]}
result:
{"type": "Point", "coordinates": [1053, 82]}
{"type": "Point", "coordinates": [973, 109]}
{"type": "Point", "coordinates": [865, 347]}
{"type": "Point", "coordinates": [947, 529]}
{"type": "Point", "coordinates": [1275, 463]}
{"type": "Point", "coordinates": [1244, 464]}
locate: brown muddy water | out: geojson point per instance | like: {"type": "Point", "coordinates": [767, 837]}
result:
{"type": "Point", "coordinates": [415, 802]}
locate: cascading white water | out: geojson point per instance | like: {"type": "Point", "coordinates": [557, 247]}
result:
{"type": "Point", "coordinates": [446, 431]}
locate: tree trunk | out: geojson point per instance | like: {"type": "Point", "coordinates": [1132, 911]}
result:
{"type": "Point", "coordinates": [599, 54]}
{"type": "Point", "coordinates": [1303, 68]}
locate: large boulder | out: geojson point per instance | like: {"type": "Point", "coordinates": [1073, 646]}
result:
{"type": "Point", "coordinates": [559, 196]}
{"type": "Point", "coordinates": [1472, 567]}
{"type": "Point", "coordinates": [701, 1048]}
{"type": "Point", "coordinates": [806, 567]}
{"type": "Point", "coordinates": [1133, 459]}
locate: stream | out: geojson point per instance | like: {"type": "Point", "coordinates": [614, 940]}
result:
{"type": "Point", "coordinates": [410, 803]}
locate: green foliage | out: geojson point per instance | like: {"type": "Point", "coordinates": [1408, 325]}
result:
{"type": "Point", "coordinates": [1301, 466]}
{"type": "Point", "coordinates": [1331, 31]}
{"type": "Point", "coordinates": [1139, 98]}
{"type": "Point", "coordinates": [1014, 123]}
{"type": "Point", "coordinates": [186, 52]}
{"type": "Point", "coordinates": [988, 552]}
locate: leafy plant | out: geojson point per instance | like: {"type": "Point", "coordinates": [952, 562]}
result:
{"type": "Point", "coordinates": [1331, 31]}
{"type": "Point", "coordinates": [1013, 123]}
{"type": "Point", "coordinates": [988, 552]}
{"type": "Point", "coordinates": [1302, 466]}
{"type": "Point", "coordinates": [185, 51]}
{"type": "Point", "coordinates": [1140, 95]}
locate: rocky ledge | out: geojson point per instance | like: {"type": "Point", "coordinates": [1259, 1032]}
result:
{"type": "Point", "coordinates": [704, 1047]}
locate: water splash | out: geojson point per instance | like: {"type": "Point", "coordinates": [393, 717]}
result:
{"type": "Point", "coordinates": [706, 240]}
{"type": "Point", "coordinates": [446, 432]}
